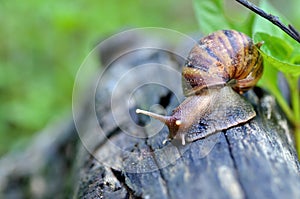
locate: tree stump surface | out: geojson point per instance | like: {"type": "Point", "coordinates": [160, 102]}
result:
{"type": "Point", "coordinates": [253, 160]}
{"type": "Point", "coordinates": [126, 157]}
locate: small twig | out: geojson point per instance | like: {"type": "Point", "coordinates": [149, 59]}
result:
{"type": "Point", "coordinates": [290, 30]}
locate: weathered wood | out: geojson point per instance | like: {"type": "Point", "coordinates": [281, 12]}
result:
{"type": "Point", "coordinates": [254, 160]}
{"type": "Point", "coordinates": [44, 168]}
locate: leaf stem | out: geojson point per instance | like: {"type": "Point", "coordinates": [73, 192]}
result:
{"type": "Point", "coordinates": [282, 102]}
{"type": "Point", "coordinates": [297, 140]}
{"type": "Point", "coordinates": [295, 99]}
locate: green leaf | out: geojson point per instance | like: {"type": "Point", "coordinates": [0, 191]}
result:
{"type": "Point", "coordinates": [279, 49]}
{"type": "Point", "coordinates": [269, 81]}
{"type": "Point", "coordinates": [278, 53]}
{"type": "Point", "coordinates": [265, 26]}
{"type": "Point", "coordinates": [269, 78]}
{"type": "Point", "coordinates": [210, 15]}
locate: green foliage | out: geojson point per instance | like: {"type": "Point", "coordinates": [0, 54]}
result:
{"type": "Point", "coordinates": [280, 51]}
{"type": "Point", "coordinates": [211, 17]}
{"type": "Point", "coordinates": [43, 43]}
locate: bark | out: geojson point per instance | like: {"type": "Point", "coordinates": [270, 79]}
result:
{"type": "Point", "coordinates": [253, 160]}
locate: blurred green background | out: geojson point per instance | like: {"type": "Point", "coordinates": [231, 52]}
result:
{"type": "Point", "coordinates": [43, 44]}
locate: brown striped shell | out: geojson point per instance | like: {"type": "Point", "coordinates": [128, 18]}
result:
{"type": "Point", "coordinates": [223, 57]}
{"type": "Point", "coordinates": [224, 61]}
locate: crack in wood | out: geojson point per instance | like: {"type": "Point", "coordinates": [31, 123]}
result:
{"type": "Point", "coordinates": [235, 165]}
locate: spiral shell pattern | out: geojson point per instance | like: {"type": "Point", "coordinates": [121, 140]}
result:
{"type": "Point", "coordinates": [225, 57]}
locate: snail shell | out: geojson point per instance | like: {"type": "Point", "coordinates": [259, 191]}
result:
{"type": "Point", "coordinates": [223, 57]}
{"type": "Point", "coordinates": [219, 67]}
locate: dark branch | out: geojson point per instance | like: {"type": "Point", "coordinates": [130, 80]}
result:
{"type": "Point", "coordinates": [290, 30]}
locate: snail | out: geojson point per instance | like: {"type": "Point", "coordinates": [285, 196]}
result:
{"type": "Point", "coordinates": [219, 68]}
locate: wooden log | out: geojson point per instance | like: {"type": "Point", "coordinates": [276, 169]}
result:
{"type": "Point", "coordinates": [44, 168]}
{"type": "Point", "coordinates": [253, 160]}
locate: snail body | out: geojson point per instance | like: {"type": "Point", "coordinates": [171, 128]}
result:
{"type": "Point", "coordinates": [221, 66]}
